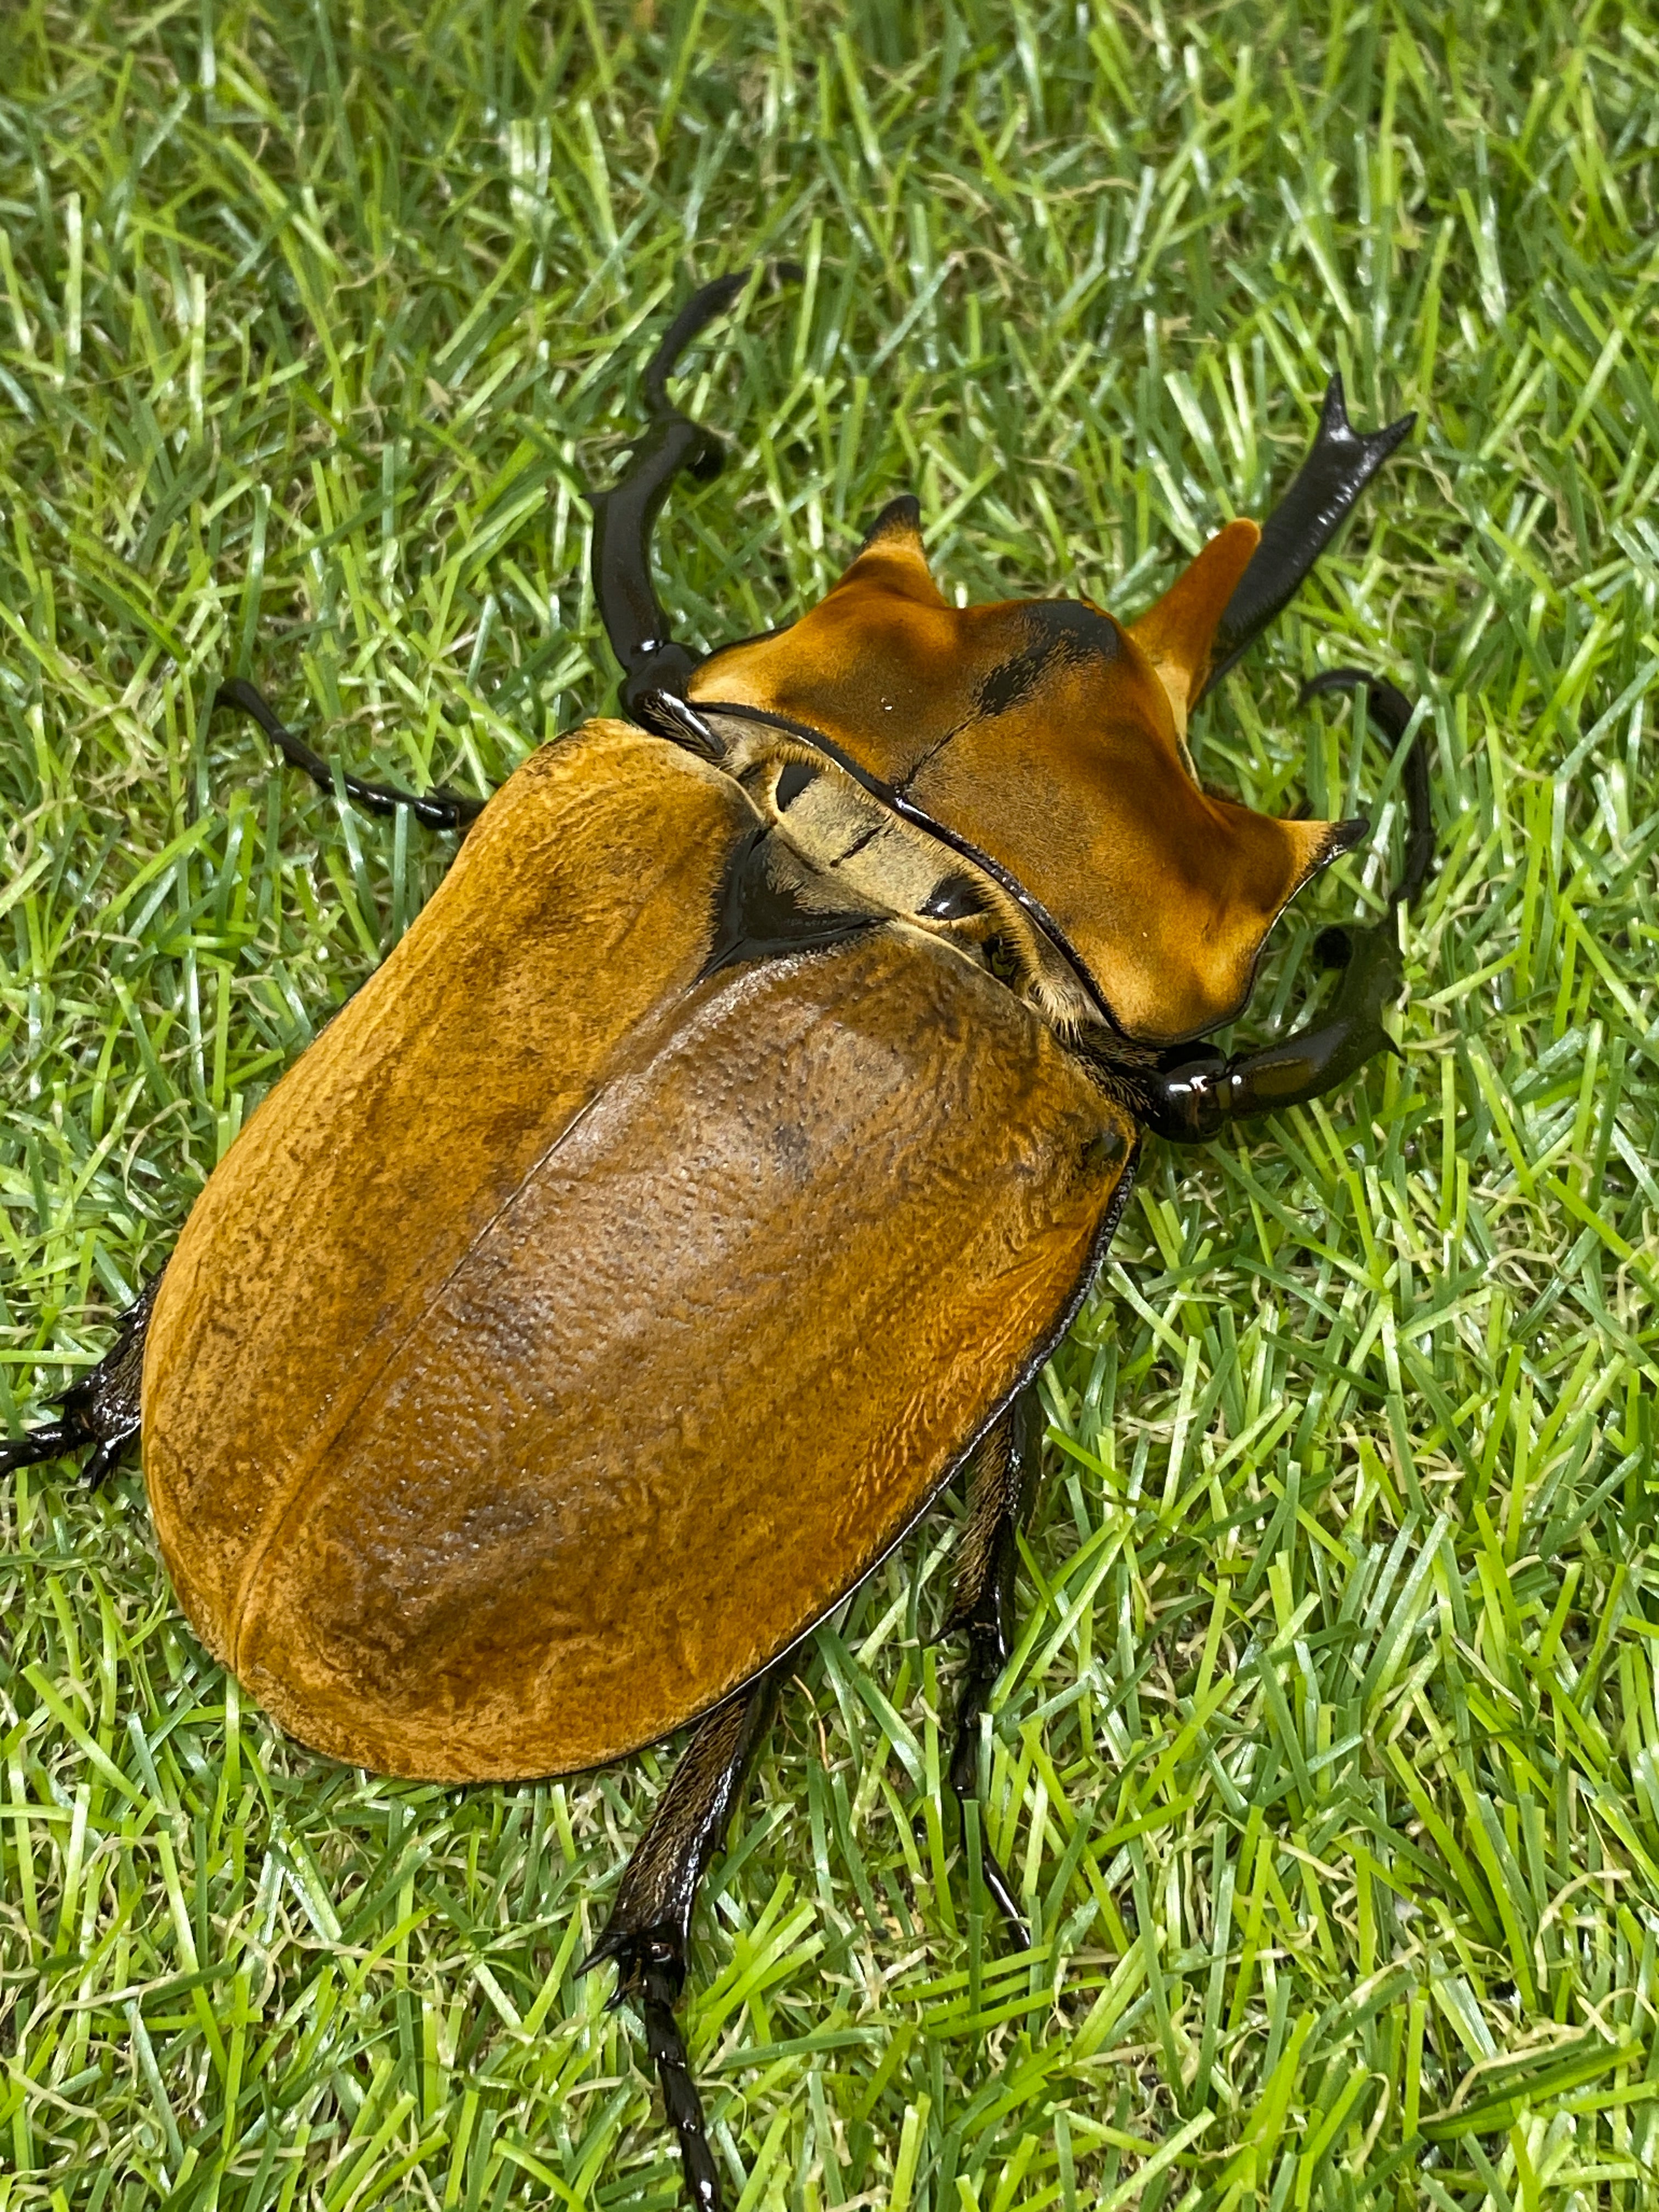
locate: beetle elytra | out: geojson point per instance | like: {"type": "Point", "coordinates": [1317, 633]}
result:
{"type": "Point", "coordinates": [785, 1045]}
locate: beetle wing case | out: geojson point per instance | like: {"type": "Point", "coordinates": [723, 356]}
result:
{"type": "Point", "coordinates": [604, 1293]}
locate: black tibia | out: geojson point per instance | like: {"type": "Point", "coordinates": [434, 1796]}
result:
{"type": "Point", "coordinates": [101, 1409]}
{"type": "Point", "coordinates": [1197, 1097]}
{"type": "Point", "coordinates": [650, 1923]}
{"type": "Point", "coordinates": [1197, 1092]}
{"type": "Point", "coordinates": [982, 1601]}
{"type": "Point", "coordinates": [1340, 464]}
{"type": "Point", "coordinates": [624, 516]}
{"type": "Point", "coordinates": [438, 810]}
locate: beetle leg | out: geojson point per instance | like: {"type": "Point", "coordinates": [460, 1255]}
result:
{"type": "Point", "coordinates": [100, 1410]}
{"type": "Point", "coordinates": [438, 810]}
{"type": "Point", "coordinates": [624, 516]}
{"type": "Point", "coordinates": [1193, 1100]}
{"type": "Point", "coordinates": [1197, 1091]}
{"type": "Point", "coordinates": [649, 1929]}
{"type": "Point", "coordinates": [1340, 462]}
{"type": "Point", "coordinates": [1391, 710]}
{"type": "Point", "coordinates": [982, 1604]}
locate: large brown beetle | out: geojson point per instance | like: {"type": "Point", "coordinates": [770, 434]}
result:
{"type": "Point", "coordinates": [706, 1175]}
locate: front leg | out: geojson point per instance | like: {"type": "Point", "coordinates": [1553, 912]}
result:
{"type": "Point", "coordinates": [982, 1601]}
{"type": "Point", "coordinates": [1195, 1092]}
{"type": "Point", "coordinates": [650, 1926]}
{"type": "Point", "coordinates": [1193, 1100]}
{"type": "Point", "coordinates": [101, 1409]}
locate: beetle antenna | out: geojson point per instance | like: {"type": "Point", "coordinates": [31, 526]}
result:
{"type": "Point", "coordinates": [625, 516]}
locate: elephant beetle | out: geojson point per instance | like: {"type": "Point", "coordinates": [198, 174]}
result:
{"type": "Point", "coordinates": [784, 1045]}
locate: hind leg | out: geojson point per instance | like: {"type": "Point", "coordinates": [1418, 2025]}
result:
{"type": "Point", "coordinates": [650, 1926]}
{"type": "Point", "coordinates": [101, 1410]}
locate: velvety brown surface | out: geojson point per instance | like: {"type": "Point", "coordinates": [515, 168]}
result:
{"type": "Point", "coordinates": [565, 1335]}
{"type": "Point", "coordinates": [367, 1172]}
{"type": "Point", "coordinates": [1052, 737]}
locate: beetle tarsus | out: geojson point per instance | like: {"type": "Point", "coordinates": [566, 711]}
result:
{"type": "Point", "coordinates": [995, 1878]}
{"type": "Point", "coordinates": [988, 1654]}
{"type": "Point", "coordinates": [651, 1971]}
{"type": "Point", "coordinates": [100, 1410]}
{"type": "Point", "coordinates": [680, 2095]}
{"type": "Point", "coordinates": [438, 810]}
{"type": "Point", "coordinates": [624, 517]}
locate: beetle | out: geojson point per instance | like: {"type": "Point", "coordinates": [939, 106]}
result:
{"type": "Point", "coordinates": [785, 1044]}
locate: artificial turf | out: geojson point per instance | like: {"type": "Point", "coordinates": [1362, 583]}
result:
{"type": "Point", "coordinates": [1328, 1766]}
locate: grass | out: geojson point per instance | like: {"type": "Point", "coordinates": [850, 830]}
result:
{"type": "Point", "coordinates": [1328, 1764]}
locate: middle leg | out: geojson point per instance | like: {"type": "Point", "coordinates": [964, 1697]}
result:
{"type": "Point", "coordinates": [102, 1409]}
{"type": "Point", "coordinates": [982, 1602]}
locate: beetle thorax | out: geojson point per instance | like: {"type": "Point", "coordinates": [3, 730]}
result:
{"type": "Point", "coordinates": [848, 837]}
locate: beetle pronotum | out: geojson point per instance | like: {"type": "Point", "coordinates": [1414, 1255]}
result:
{"type": "Point", "coordinates": [787, 1045]}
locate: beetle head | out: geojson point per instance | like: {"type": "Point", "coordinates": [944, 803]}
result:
{"type": "Point", "coordinates": [1052, 739]}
